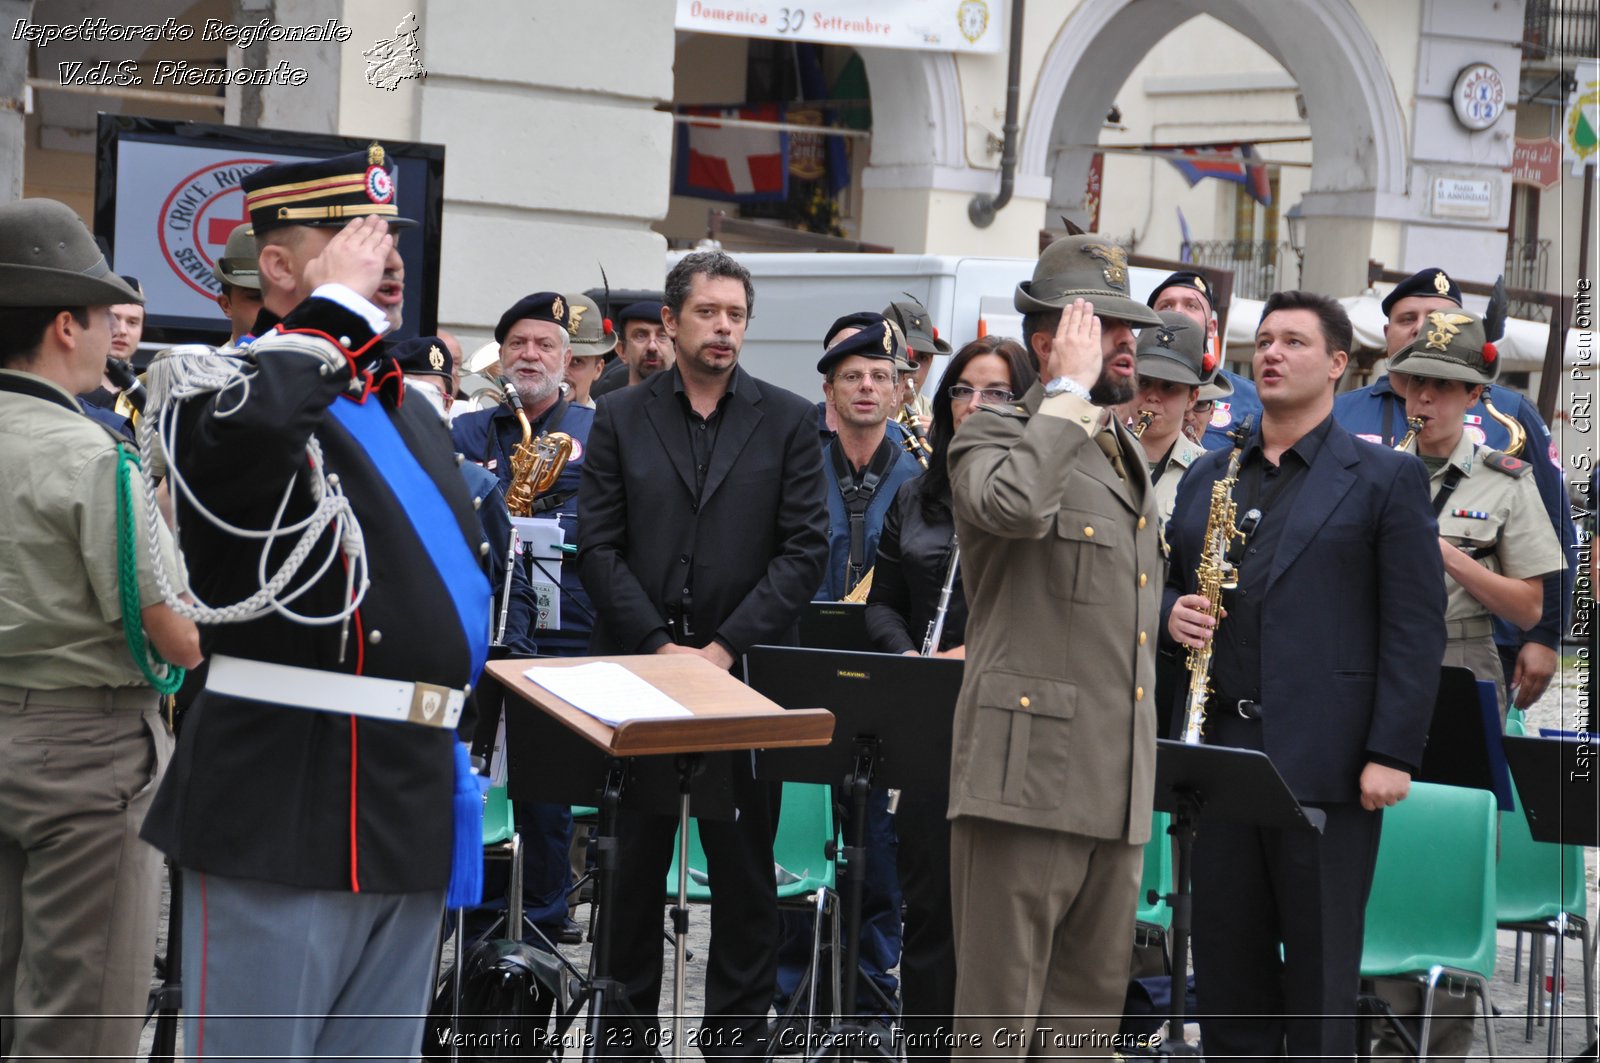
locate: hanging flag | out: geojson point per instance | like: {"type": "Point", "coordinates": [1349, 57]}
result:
{"type": "Point", "coordinates": [733, 162]}
{"type": "Point", "coordinates": [1185, 251]}
{"type": "Point", "coordinates": [1582, 120]}
{"type": "Point", "coordinates": [1226, 162]}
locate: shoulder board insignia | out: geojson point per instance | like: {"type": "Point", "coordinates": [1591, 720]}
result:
{"type": "Point", "coordinates": [1016, 412]}
{"type": "Point", "coordinates": [1502, 462]}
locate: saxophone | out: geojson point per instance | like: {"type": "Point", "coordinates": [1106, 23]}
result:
{"type": "Point", "coordinates": [1215, 574]}
{"type": "Point", "coordinates": [535, 463]}
{"type": "Point", "coordinates": [1413, 426]}
{"type": "Point", "coordinates": [1518, 435]}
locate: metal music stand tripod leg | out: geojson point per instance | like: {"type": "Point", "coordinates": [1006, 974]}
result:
{"type": "Point", "coordinates": [1182, 903]}
{"type": "Point", "coordinates": [847, 1037]}
{"type": "Point", "coordinates": [689, 765]}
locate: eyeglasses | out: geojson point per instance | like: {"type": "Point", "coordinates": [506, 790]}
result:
{"type": "Point", "coordinates": [963, 393]}
{"type": "Point", "coordinates": [879, 378]}
{"type": "Point", "coordinates": [1204, 406]}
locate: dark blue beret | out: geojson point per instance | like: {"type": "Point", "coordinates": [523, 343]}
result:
{"type": "Point", "coordinates": [1184, 278]}
{"type": "Point", "coordinates": [540, 306]}
{"type": "Point", "coordinates": [864, 319]}
{"type": "Point", "coordinates": [877, 340]}
{"type": "Point", "coordinates": [1431, 282]}
{"type": "Point", "coordinates": [424, 355]}
{"type": "Point", "coordinates": [644, 310]}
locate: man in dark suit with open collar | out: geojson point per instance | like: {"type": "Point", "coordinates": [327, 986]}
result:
{"type": "Point", "coordinates": [705, 532]}
{"type": "Point", "coordinates": [1327, 658]}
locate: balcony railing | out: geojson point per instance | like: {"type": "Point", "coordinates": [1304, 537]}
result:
{"type": "Point", "coordinates": [1528, 266]}
{"type": "Point", "coordinates": [1560, 31]}
{"type": "Point", "coordinates": [1260, 267]}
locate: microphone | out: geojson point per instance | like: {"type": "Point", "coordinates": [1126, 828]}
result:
{"type": "Point", "coordinates": [123, 376]}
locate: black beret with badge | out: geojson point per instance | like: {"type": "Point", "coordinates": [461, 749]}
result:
{"type": "Point", "coordinates": [48, 259]}
{"type": "Point", "coordinates": [422, 356]}
{"type": "Point", "coordinates": [1174, 350]}
{"type": "Point", "coordinates": [1184, 278]}
{"type": "Point", "coordinates": [1087, 266]}
{"type": "Point", "coordinates": [323, 192]}
{"type": "Point", "coordinates": [1431, 282]}
{"type": "Point", "coordinates": [881, 340]}
{"type": "Point", "coordinates": [860, 319]}
{"type": "Point", "coordinates": [540, 306]}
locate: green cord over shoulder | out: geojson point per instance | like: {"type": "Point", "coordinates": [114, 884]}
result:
{"type": "Point", "coordinates": [164, 678]}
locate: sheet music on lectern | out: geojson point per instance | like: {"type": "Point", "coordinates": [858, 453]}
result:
{"type": "Point", "coordinates": [608, 692]}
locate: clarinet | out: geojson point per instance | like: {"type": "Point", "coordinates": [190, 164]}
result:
{"type": "Point", "coordinates": [930, 642]}
{"type": "Point", "coordinates": [505, 591]}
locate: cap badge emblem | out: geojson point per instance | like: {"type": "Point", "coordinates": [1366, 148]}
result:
{"type": "Point", "coordinates": [1115, 259]}
{"type": "Point", "coordinates": [435, 357]}
{"type": "Point", "coordinates": [574, 317]}
{"type": "Point", "coordinates": [1441, 283]}
{"type": "Point", "coordinates": [558, 310]}
{"type": "Point", "coordinates": [1446, 327]}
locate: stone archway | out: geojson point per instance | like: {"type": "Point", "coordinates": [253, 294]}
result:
{"type": "Point", "coordinates": [1359, 166]}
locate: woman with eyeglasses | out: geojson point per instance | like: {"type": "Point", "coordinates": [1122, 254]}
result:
{"type": "Point", "coordinates": [913, 557]}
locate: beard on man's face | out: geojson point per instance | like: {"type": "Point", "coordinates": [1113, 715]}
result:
{"type": "Point", "coordinates": [1109, 390]}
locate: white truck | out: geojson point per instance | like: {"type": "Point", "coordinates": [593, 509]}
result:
{"type": "Point", "coordinates": [798, 295]}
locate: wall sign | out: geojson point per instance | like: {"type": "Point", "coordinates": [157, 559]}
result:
{"type": "Point", "coordinates": [1479, 97]}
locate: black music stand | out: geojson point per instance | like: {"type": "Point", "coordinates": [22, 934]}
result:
{"type": "Point", "coordinates": [1236, 785]}
{"type": "Point", "coordinates": [1463, 739]}
{"type": "Point", "coordinates": [1556, 778]}
{"type": "Point", "coordinates": [643, 765]}
{"type": "Point", "coordinates": [888, 732]}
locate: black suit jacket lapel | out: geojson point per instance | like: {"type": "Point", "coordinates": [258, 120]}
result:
{"type": "Point", "coordinates": [1328, 480]}
{"type": "Point", "coordinates": [667, 420]}
{"type": "Point", "coordinates": [740, 417]}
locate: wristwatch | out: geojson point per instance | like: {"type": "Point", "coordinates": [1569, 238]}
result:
{"type": "Point", "coordinates": [1065, 385]}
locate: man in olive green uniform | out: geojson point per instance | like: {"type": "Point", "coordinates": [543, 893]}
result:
{"type": "Point", "coordinates": [1054, 751]}
{"type": "Point", "coordinates": [1497, 545]}
{"type": "Point", "coordinates": [1171, 362]}
{"type": "Point", "coordinates": [81, 742]}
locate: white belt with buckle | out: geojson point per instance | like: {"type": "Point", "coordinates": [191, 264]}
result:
{"type": "Point", "coordinates": [352, 695]}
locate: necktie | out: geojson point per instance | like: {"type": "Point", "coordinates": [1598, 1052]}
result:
{"type": "Point", "coordinates": [1108, 443]}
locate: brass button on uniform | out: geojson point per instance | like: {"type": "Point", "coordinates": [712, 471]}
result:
{"type": "Point", "coordinates": [1023, 701]}
{"type": "Point", "coordinates": [1138, 693]}
{"type": "Point", "coordinates": [1141, 638]}
{"type": "Point", "coordinates": [1088, 532]}
{"type": "Point", "coordinates": [1141, 523]}
{"type": "Point", "coordinates": [1143, 579]}
{"type": "Point", "coordinates": [374, 637]}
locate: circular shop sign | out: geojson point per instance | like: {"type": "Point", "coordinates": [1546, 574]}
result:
{"type": "Point", "coordinates": [1479, 97]}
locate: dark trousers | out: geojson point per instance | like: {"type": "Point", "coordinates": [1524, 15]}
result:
{"type": "Point", "coordinates": [546, 831]}
{"type": "Point", "coordinates": [742, 962]}
{"type": "Point", "coordinates": [928, 954]}
{"type": "Point", "coordinates": [1256, 891]}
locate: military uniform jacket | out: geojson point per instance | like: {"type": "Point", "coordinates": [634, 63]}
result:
{"type": "Point", "coordinates": [1182, 455]}
{"type": "Point", "coordinates": [1495, 514]}
{"type": "Point", "coordinates": [313, 799]}
{"type": "Point", "coordinates": [1061, 563]}
{"type": "Point", "coordinates": [1376, 414]}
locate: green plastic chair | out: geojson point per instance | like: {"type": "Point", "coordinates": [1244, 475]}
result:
{"type": "Point", "coordinates": [1541, 892]}
{"type": "Point", "coordinates": [1153, 920]}
{"type": "Point", "coordinates": [502, 842]}
{"type": "Point", "coordinates": [1430, 915]}
{"type": "Point", "coordinates": [806, 877]}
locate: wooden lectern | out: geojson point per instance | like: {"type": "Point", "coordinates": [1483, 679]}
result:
{"type": "Point", "coordinates": [595, 757]}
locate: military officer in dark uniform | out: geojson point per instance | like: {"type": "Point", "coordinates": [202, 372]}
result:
{"type": "Point", "coordinates": [309, 804]}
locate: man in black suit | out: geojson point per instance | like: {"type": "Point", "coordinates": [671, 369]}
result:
{"type": "Point", "coordinates": [1327, 658]}
{"type": "Point", "coordinates": [705, 532]}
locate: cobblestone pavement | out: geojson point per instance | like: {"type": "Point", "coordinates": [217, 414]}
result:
{"type": "Point", "coordinates": [1509, 996]}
